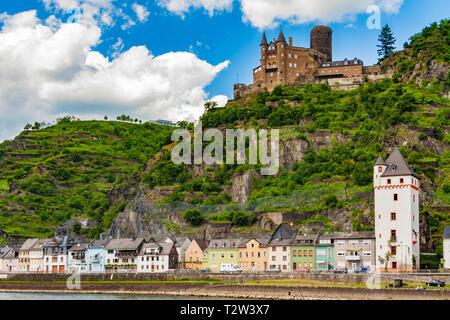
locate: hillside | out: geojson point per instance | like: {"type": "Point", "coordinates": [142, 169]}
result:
{"type": "Point", "coordinates": [120, 178]}
{"type": "Point", "coordinates": [84, 169]}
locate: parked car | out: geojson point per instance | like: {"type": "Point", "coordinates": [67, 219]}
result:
{"type": "Point", "coordinates": [435, 283]}
{"type": "Point", "coordinates": [229, 267]}
{"type": "Point", "coordinates": [340, 270]}
{"type": "Point", "coordinates": [362, 269]}
{"type": "Point", "coordinates": [303, 270]}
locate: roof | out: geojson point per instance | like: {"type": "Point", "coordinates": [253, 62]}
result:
{"type": "Point", "coordinates": [79, 247]}
{"type": "Point", "coordinates": [306, 240]}
{"type": "Point", "coordinates": [224, 244]}
{"type": "Point", "coordinates": [283, 235]}
{"type": "Point", "coordinates": [132, 244]}
{"type": "Point", "coordinates": [97, 244]}
{"type": "Point", "coordinates": [203, 244]}
{"type": "Point", "coordinates": [446, 234]}
{"type": "Point", "coordinates": [341, 63]}
{"type": "Point", "coordinates": [166, 248]}
{"type": "Point", "coordinates": [264, 39]}
{"type": "Point", "coordinates": [397, 166]}
{"type": "Point", "coordinates": [28, 244]}
{"type": "Point", "coordinates": [380, 162]}
{"type": "Point", "coordinates": [281, 37]}
{"type": "Point", "coordinates": [180, 241]}
{"type": "Point", "coordinates": [39, 244]}
{"type": "Point", "coordinates": [59, 241]}
{"type": "Point", "coordinates": [354, 235]}
{"type": "Point", "coordinates": [9, 253]}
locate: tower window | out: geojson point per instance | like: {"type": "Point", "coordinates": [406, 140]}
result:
{"type": "Point", "coordinates": [394, 250]}
{"type": "Point", "coordinates": [388, 181]}
{"type": "Point", "coordinates": [401, 180]}
{"type": "Point", "coordinates": [414, 198]}
{"type": "Point", "coordinates": [395, 196]}
{"type": "Point", "coordinates": [394, 265]}
{"type": "Point", "coordinates": [393, 216]}
{"type": "Point", "coordinates": [380, 169]}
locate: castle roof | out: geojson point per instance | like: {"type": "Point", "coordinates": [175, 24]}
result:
{"type": "Point", "coordinates": [397, 166]}
{"type": "Point", "coordinates": [380, 162]}
{"type": "Point", "coordinates": [264, 39]}
{"type": "Point", "coordinates": [341, 63]}
{"type": "Point", "coordinates": [281, 37]}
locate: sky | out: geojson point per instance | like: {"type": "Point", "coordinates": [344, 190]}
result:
{"type": "Point", "coordinates": [163, 59]}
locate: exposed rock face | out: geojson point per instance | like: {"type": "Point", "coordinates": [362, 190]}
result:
{"type": "Point", "coordinates": [66, 229]}
{"type": "Point", "coordinates": [242, 186]}
{"type": "Point", "coordinates": [293, 151]}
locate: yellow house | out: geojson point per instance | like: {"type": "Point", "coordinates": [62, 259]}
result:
{"type": "Point", "coordinates": [253, 255]}
{"type": "Point", "coordinates": [194, 254]}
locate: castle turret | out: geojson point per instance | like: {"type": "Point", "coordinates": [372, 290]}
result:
{"type": "Point", "coordinates": [281, 57]}
{"type": "Point", "coordinates": [321, 40]}
{"type": "Point", "coordinates": [264, 46]}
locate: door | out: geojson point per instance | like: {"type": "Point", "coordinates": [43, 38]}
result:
{"type": "Point", "coordinates": [61, 269]}
{"type": "Point", "coordinates": [153, 268]}
{"type": "Point", "coordinates": [54, 269]}
{"type": "Point", "coordinates": [353, 266]}
{"type": "Point", "coordinates": [295, 266]}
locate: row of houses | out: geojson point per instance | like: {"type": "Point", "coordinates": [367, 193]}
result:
{"type": "Point", "coordinates": [285, 250]}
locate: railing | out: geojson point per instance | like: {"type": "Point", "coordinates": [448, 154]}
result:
{"type": "Point", "coordinates": [126, 254]}
{"type": "Point", "coordinates": [353, 258]}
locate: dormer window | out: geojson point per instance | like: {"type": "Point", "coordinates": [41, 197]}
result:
{"type": "Point", "coordinates": [394, 168]}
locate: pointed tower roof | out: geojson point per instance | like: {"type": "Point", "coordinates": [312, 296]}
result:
{"type": "Point", "coordinates": [281, 37]}
{"type": "Point", "coordinates": [397, 166]}
{"type": "Point", "coordinates": [264, 39]}
{"type": "Point", "coordinates": [380, 162]}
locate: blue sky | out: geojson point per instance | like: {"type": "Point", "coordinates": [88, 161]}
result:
{"type": "Point", "coordinates": [216, 31]}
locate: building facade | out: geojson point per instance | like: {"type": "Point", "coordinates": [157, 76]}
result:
{"type": "Point", "coordinates": [24, 254]}
{"type": "Point", "coordinates": [303, 252]}
{"type": "Point", "coordinates": [194, 254]}
{"type": "Point", "coordinates": [397, 191]}
{"type": "Point", "coordinates": [76, 259]}
{"type": "Point", "coordinates": [325, 253]}
{"type": "Point", "coordinates": [220, 254]}
{"type": "Point", "coordinates": [56, 255]}
{"type": "Point", "coordinates": [9, 260]}
{"type": "Point", "coordinates": [156, 258]}
{"type": "Point", "coordinates": [446, 247]}
{"type": "Point", "coordinates": [181, 245]}
{"type": "Point", "coordinates": [354, 250]}
{"type": "Point", "coordinates": [37, 256]}
{"type": "Point", "coordinates": [121, 254]}
{"type": "Point", "coordinates": [253, 255]}
{"type": "Point", "coordinates": [95, 256]}
{"type": "Point", "coordinates": [279, 248]}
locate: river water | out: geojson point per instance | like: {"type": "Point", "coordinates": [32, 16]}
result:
{"type": "Point", "coordinates": [75, 296]}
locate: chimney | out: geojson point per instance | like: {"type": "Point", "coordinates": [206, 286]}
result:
{"type": "Point", "coordinates": [290, 41]}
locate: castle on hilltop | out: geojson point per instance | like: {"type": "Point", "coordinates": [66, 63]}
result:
{"type": "Point", "coordinates": [282, 63]}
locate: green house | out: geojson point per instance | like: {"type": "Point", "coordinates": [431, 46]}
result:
{"type": "Point", "coordinates": [325, 253]}
{"type": "Point", "coordinates": [221, 255]}
{"type": "Point", "coordinates": [303, 252]}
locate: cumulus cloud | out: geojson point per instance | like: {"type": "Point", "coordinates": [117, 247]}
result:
{"type": "Point", "coordinates": [51, 70]}
{"type": "Point", "coordinates": [182, 6]}
{"type": "Point", "coordinates": [269, 13]}
{"type": "Point", "coordinates": [141, 12]}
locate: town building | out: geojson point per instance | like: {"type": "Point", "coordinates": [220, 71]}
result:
{"type": "Point", "coordinates": [282, 63]}
{"type": "Point", "coordinates": [221, 254]}
{"type": "Point", "coordinates": [55, 254]}
{"type": "Point", "coordinates": [121, 254]}
{"type": "Point", "coordinates": [95, 256]}
{"type": "Point", "coordinates": [446, 247]}
{"type": "Point", "coordinates": [77, 258]}
{"type": "Point", "coordinates": [181, 245]}
{"type": "Point", "coordinates": [396, 191]}
{"type": "Point", "coordinates": [157, 257]}
{"type": "Point", "coordinates": [194, 254]}
{"type": "Point", "coordinates": [37, 255]}
{"type": "Point", "coordinates": [9, 259]}
{"type": "Point", "coordinates": [303, 252]}
{"type": "Point", "coordinates": [24, 254]}
{"type": "Point", "coordinates": [279, 248]}
{"type": "Point", "coordinates": [354, 250]}
{"type": "Point", "coordinates": [325, 253]}
{"type": "Point", "coordinates": [254, 255]}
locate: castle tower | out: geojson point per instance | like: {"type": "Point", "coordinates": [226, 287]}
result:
{"type": "Point", "coordinates": [321, 40]}
{"type": "Point", "coordinates": [264, 46]}
{"type": "Point", "coordinates": [396, 192]}
{"type": "Point", "coordinates": [281, 58]}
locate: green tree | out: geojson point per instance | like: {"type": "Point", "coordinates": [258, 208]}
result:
{"type": "Point", "coordinates": [193, 216]}
{"type": "Point", "coordinates": [387, 43]}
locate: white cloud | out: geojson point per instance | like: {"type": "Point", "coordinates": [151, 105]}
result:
{"type": "Point", "coordinates": [269, 13]}
{"type": "Point", "coordinates": [182, 6]}
{"type": "Point", "coordinates": [141, 12]}
{"type": "Point", "coordinates": [51, 70]}
{"type": "Point", "coordinates": [221, 100]}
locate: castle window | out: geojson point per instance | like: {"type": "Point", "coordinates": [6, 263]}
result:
{"type": "Point", "coordinates": [295, 65]}
{"type": "Point", "coordinates": [290, 64]}
{"type": "Point", "coordinates": [395, 196]}
{"type": "Point", "coordinates": [289, 55]}
{"type": "Point", "coordinates": [393, 250]}
{"type": "Point", "coordinates": [393, 216]}
{"type": "Point", "coordinates": [401, 180]}
{"type": "Point", "coordinates": [388, 181]}
{"type": "Point", "coordinates": [295, 56]}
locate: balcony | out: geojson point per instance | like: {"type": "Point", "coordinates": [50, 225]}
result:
{"type": "Point", "coordinates": [393, 239]}
{"type": "Point", "coordinates": [126, 254]}
{"type": "Point", "coordinates": [271, 70]}
{"type": "Point", "coordinates": [353, 258]}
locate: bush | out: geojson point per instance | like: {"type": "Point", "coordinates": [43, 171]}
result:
{"type": "Point", "coordinates": [193, 216]}
{"type": "Point", "coordinates": [422, 136]}
{"type": "Point", "coordinates": [446, 188]}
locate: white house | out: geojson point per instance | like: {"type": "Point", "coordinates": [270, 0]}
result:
{"type": "Point", "coordinates": [9, 259]}
{"type": "Point", "coordinates": [55, 255]}
{"type": "Point", "coordinates": [446, 253]}
{"type": "Point", "coordinates": [121, 254]}
{"type": "Point", "coordinates": [77, 258]}
{"type": "Point", "coordinates": [37, 256]}
{"type": "Point", "coordinates": [155, 257]}
{"type": "Point", "coordinates": [396, 191]}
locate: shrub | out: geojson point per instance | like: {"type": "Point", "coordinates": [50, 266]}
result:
{"type": "Point", "coordinates": [193, 216]}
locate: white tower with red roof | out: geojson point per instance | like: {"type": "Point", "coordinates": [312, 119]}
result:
{"type": "Point", "coordinates": [396, 192]}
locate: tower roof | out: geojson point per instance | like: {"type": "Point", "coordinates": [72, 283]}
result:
{"type": "Point", "coordinates": [264, 39]}
{"type": "Point", "coordinates": [380, 162]}
{"type": "Point", "coordinates": [397, 166]}
{"type": "Point", "coordinates": [281, 37]}
{"type": "Point", "coordinates": [446, 234]}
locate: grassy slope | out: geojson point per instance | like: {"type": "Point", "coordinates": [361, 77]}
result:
{"type": "Point", "coordinates": [68, 170]}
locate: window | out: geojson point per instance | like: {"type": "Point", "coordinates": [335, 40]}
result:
{"type": "Point", "coordinates": [388, 181]}
{"type": "Point", "coordinates": [395, 197]}
{"type": "Point", "coordinates": [284, 249]}
{"type": "Point", "coordinates": [310, 253]}
{"type": "Point", "coordinates": [367, 253]}
{"type": "Point", "coordinates": [231, 256]}
{"type": "Point", "coordinates": [341, 253]}
{"type": "Point", "coordinates": [294, 253]}
{"type": "Point", "coordinates": [367, 242]}
{"type": "Point", "coordinates": [284, 258]}
{"type": "Point", "coordinates": [273, 249]}
{"type": "Point", "coordinates": [341, 243]}
{"type": "Point", "coordinates": [401, 180]}
{"type": "Point", "coordinates": [414, 198]}
{"type": "Point", "coordinates": [393, 216]}
{"type": "Point", "coordinates": [380, 169]}
{"type": "Point", "coordinates": [310, 264]}
{"type": "Point", "coordinates": [354, 242]}
{"type": "Point", "coordinates": [393, 235]}
{"type": "Point", "coordinates": [394, 265]}
{"type": "Point", "coordinates": [273, 258]}
{"type": "Point", "coordinates": [321, 252]}
{"type": "Point", "coordinates": [393, 250]}
{"type": "Point", "coordinates": [222, 256]}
